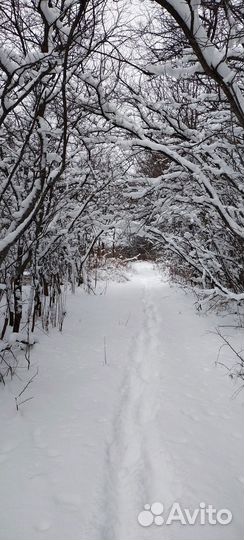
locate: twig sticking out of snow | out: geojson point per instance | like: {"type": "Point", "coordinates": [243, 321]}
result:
{"type": "Point", "coordinates": [22, 391]}
{"type": "Point", "coordinates": [105, 351]}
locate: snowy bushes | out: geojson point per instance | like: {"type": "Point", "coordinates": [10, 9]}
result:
{"type": "Point", "coordinates": [55, 199]}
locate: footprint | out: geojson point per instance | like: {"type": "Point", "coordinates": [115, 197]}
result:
{"type": "Point", "coordinates": [37, 438]}
{"type": "Point", "coordinates": [43, 525]}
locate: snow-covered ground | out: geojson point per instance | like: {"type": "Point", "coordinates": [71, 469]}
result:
{"type": "Point", "coordinates": [128, 409]}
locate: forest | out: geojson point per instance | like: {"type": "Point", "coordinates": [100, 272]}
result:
{"type": "Point", "coordinates": [121, 142]}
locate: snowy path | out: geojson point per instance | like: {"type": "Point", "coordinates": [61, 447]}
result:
{"type": "Point", "coordinates": [128, 409]}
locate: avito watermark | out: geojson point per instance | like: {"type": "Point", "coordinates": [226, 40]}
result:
{"type": "Point", "coordinates": [204, 514]}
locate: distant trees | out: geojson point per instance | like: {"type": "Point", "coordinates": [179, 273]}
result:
{"type": "Point", "coordinates": [184, 100]}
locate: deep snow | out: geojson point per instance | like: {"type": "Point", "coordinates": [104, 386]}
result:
{"type": "Point", "coordinates": [129, 409]}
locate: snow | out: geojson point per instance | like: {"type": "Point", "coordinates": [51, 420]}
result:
{"type": "Point", "coordinates": [128, 409]}
{"type": "Point", "coordinates": [51, 14]}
